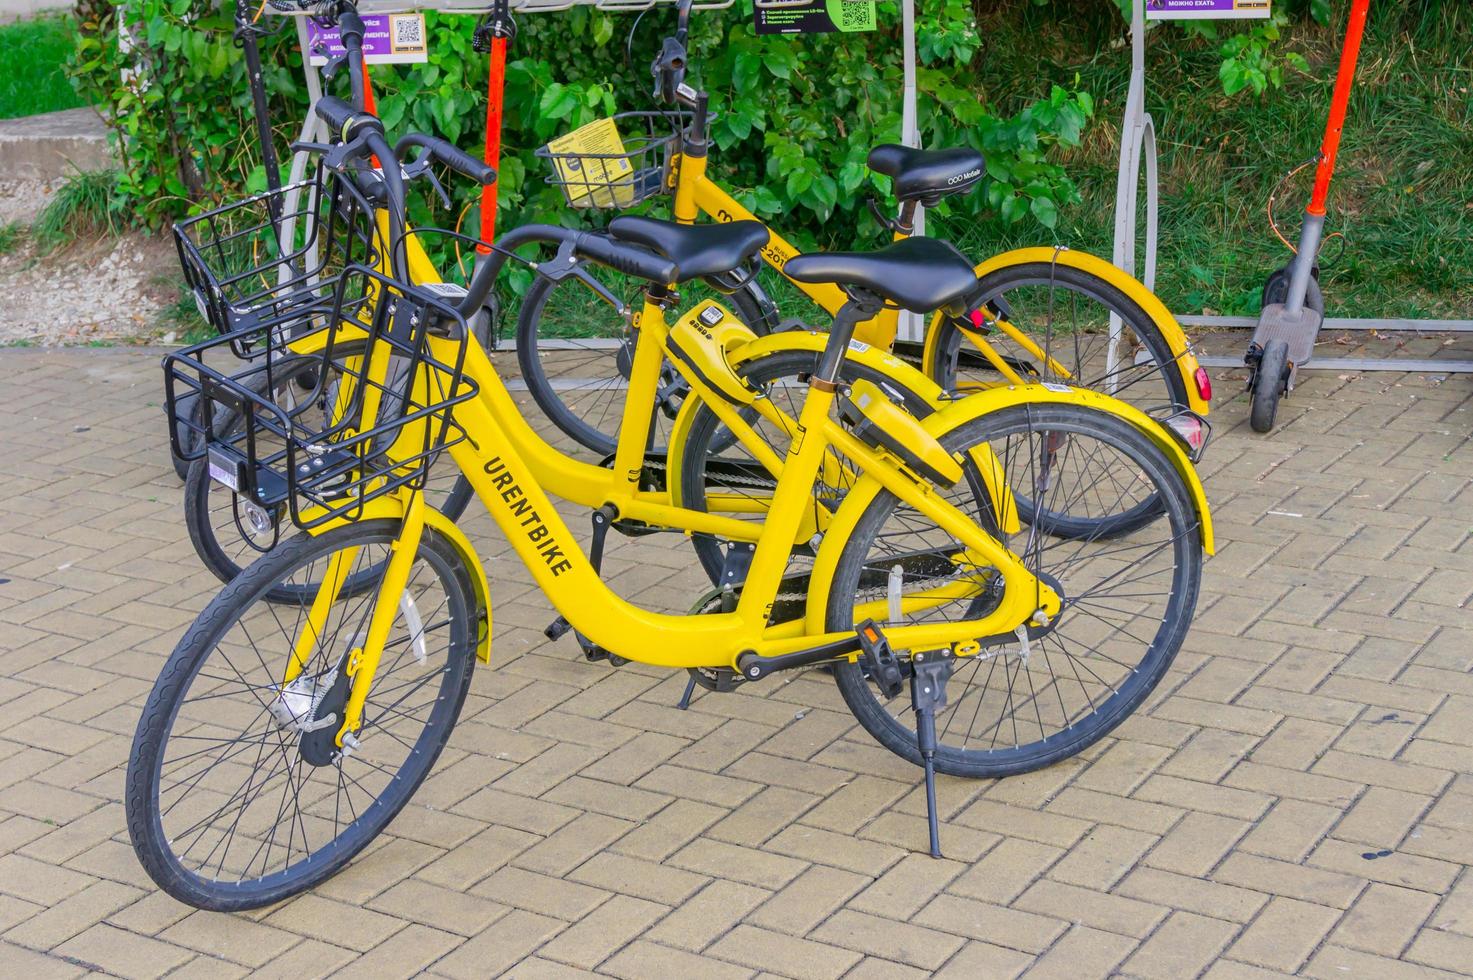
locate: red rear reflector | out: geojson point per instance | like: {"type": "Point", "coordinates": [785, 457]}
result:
{"type": "Point", "coordinates": [1204, 384]}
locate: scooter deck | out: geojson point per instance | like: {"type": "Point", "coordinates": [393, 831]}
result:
{"type": "Point", "coordinates": [1298, 330]}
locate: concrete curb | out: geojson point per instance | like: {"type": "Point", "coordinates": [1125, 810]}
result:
{"type": "Point", "coordinates": [53, 143]}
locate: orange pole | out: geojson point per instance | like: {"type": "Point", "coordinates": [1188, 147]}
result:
{"type": "Point", "coordinates": [369, 105]}
{"type": "Point", "coordinates": [1339, 102]}
{"type": "Point", "coordinates": [495, 86]}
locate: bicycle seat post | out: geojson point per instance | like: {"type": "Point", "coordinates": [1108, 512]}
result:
{"type": "Point", "coordinates": [862, 305]}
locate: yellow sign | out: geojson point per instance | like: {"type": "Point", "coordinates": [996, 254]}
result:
{"type": "Point", "coordinates": [593, 167]}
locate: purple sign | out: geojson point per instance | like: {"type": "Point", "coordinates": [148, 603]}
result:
{"type": "Point", "coordinates": [388, 39]}
{"type": "Point", "coordinates": [1205, 9]}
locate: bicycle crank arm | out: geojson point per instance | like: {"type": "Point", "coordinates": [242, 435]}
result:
{"type": "Point", "coordinates": [755, 666]}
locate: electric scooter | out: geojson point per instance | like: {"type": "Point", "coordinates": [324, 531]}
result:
{"type": "Point", "coordinates": [1293, 306]}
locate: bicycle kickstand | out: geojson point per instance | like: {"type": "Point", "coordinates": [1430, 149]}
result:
{"type": "Point", "coordinates": [929, 673]}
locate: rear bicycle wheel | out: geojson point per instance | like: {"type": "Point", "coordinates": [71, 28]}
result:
{"type": "Point", "coordinates": [228, 534]}
{"type": "Point", "coordinates": [230, 808]}
{"type": "Point", "coordinates": [1128, 600]}
{"type": "Point", "coordinates": [1066, 313]}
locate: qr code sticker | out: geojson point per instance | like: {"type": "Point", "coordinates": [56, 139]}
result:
{"type": "Point", "coordinates": [408, 33]}
{"type": "Point", "coordinates": [857, 15]}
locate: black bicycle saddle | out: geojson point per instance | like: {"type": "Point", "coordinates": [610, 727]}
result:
{"type": "Point", "coordinates": [699, 250]}
{"type": "Point", "coordinates": [917, 274]}
{"type": "Point", "coordinates": [927, 175]}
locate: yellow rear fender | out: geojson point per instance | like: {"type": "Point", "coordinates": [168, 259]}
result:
{"type": "Point", "coordinates": [1133, 288]}
{"type": "Point", "coordinates": [391, 508]}
{"type": "Point", "coordinates": [964, 410]}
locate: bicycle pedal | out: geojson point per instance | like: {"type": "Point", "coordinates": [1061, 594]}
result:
{"type": "Point", "coordinates": [880, 660]}
{"type": "Point", "coordinates": [557, 629]}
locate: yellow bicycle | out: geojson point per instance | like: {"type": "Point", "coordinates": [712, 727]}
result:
{"type": "Point", "coordinates": [281, 738]}
{"type": "Point", "coordinates": [1044, 314]}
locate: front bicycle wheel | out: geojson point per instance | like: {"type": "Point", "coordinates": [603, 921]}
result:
{"type": "Point", "coordinates": [1128, 600]}
{"type": "Point", "coordinates": [234, 800]}
{"type": "Point", "coordinates": [575, 352]}
{"type": "Point", "coordinates": [228, 533]}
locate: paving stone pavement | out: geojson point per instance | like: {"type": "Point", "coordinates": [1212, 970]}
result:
{"type": "Point", "coordinates": [1318, 716]}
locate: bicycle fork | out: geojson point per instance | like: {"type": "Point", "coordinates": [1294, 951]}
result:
{"type": "Point", "coordinates": [355, 672]}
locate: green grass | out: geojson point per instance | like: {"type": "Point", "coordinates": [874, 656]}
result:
{"type": "Point", "coordinates": [33, 54]}
{"type": "Point", "coordinates": [86, 204]}
{"type": "Point", "coordinates": [1402, 193]}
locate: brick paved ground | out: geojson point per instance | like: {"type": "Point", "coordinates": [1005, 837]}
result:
{"type": "Point", "coordinates": [1320, 713]}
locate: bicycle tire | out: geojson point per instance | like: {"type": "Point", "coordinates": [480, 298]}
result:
{"type": "Point", "coordinates": [1183, 570]}
{"type": "Point", "coordinates": [156, 846]}
{"type": "Point", "coordinates": [947, 342]}
{"type": "Point", "coordinates": [707, 437]}
{"type": "Point", "coordinates": [600, 435]}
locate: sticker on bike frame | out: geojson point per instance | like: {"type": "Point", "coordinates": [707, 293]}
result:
{"type": "Point", "coordinates": [388, 39]}
{"type": "Point", "coordinates": [858, 346]}
{"type": "Point", "coordinates": [1054, 386]}
{"type": "Point", "coordinates": [223, 473]}
{"type": "Point", "coordinates": [813, 16]}
{"type": "Point", "coordinates": [1206, 9]}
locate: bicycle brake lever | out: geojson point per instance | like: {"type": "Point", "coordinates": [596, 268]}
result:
{"type": "Point", "coordinates": [565, 264]}
{"type": "Point", "coordinates": [338, 155]}
{"type": "Point", "coordinates": [887, 223]}
{"type": "Point", "coordinates": [333, 64]}
{"type": "Point", "coordinates": [603, 291]}
{"type": "Point", "coordinates": [435, 181]}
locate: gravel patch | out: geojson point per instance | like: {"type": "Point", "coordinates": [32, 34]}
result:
{"type": "Point", "coordinates": [21, 201]}
{"type": "Point", "coordinates": [107, 291]}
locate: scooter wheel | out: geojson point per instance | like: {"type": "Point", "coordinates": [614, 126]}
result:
{"type": "Point", "coordinates": [1270, 382]}
{"type": "Point", "coordinates": [1276, 289]}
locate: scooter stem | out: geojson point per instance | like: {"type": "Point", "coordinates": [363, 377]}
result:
{"type": "Point", "coordinates": [1338, 104]}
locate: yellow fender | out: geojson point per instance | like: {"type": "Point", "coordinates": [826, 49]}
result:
{"type": "Point", "coordinates": [392, 508]}
{"type": "Point", "coordinates": [1133, 288]}
{"type": "Point", "coordinates": [965, 410]}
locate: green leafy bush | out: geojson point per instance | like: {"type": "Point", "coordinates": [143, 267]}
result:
{"type": "Point", "coordinates": [795, 115]}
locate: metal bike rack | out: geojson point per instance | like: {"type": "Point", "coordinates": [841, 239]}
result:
{"type": "Point", "coordinates": [1138, 146]}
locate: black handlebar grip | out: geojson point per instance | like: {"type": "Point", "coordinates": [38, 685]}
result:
{"type": "Point", "coordinates": [343, 121]}
{"type": "Point", "coordinates": [630, 259]}
{"type": "Point", "coordinates": [462, 162]}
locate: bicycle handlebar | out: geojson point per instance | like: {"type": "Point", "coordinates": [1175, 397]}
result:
{"type": "Point", "coordinates": [450, 155]}
{"type": "Point", "coordinates": [345, 123]}
{"type": "Point", "coordinates": [627, 258]}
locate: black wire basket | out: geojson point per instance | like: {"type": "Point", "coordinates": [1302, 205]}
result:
{"type": "Point", "coordinates": [615, 167]}
{"type": "Point", "coordinates": [274, 255]}
{"type": "Point", "coordinates": [369, 417]}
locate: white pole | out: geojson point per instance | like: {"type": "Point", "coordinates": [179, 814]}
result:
{"type": "Point", "coordinates": [1132, 136]}
{"type": "Point", "coordinates": [912, 326]}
